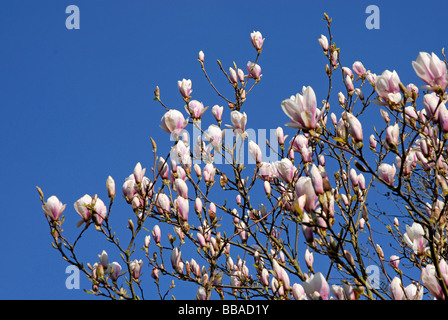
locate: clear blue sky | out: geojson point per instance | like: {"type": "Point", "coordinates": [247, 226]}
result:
{"type": "Point", "coordinates": [77, 105]}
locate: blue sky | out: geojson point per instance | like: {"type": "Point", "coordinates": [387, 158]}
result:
{"type": "Point", "coordinates": [77, 105]}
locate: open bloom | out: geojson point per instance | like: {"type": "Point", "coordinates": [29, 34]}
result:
{"type": "Point", "coordinates": [195, 109]}
{"type": "Point", "coordinates": [214, 135]}
{"type": "Point", "coordinates": [431, 70]}
{"type": "Point", "coordinates": [316, 287]}
{"type": "Point", "coordinates": [239, 121]}
{"type": "Point", "coordinates": [302, 110]}
{"type": "Point", "coordinates": [54, 208]}
{"type": "Point", "coordinates": [387, 87]}
{"type": "Point", "coordinates": [254, 70]}
{"type": "Point", "coordinates": [173, 122]}
{"type": "Point", "coordinates": [414, 238]}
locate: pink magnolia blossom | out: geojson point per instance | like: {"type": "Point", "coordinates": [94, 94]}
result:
{"type": "Point", "coordinates": [359, 69]}
{"type": "Point", "coordinates": [316, 287]}
{"type": "Point", "coordinates": [286, 170]}
{"type": "Point", "coordinates": [431, 282]}
{"type": "Point", "coordinates": [254, 70]}
{"type": "Point", "coordinates": [173, 122]}
{"type": "Point", "coordinates": [316, 179]}
{"type": "Point", "coordinates": [393, 135]}
{"type": "Point", "coordinates": [110, 185]}
{"type": "Point", "coordinates": [54, 208]}
{"type": "Point", "coordinates": [302, 110]}
{"type": "Point", "coordinates": [387, 173]}
{"type": "Point", "coordinates": [214, 135]}
{"type": "Point", "coordinates": [431, 70]}
{"type": "Point", "coordinates": [136, 267]}
{"type": "Point", "coordinates": [184, 87]}
{"type": "Point", "coordinates": [195, 109]}
{"type": "Point", "coordinates": [81, 207]}
{"type": "Point", "coordinates": [354, 127]}
{"type": "Point", "coordinates": [183, 207]}
{"type": "Point", "coordinates": [387, 87]}
{"type": "Point", "coordinates": [323, 41]}
{"type": "Point", "coordinates": [163, 204]}
{"type": "Point", "coordinates": [217, 112]}
{"type": "Point", "coordinates": [414, 238]}
{"type": "Point", "coordinates": [304, 187]}
{"type": "Point", "coordinates": [257, 40]}
{"type": "Point", "coordinates": [99, 212]}
{"type": "Point", "coordinates": [396, 289]}
{"type": "Point", "coordinates": [432, 106]}
{"type": "Point", "coordinates": [255, 151]}
{"type": "Point", "coordinates": [239, 121]}
{"type": "Point", "coordinates": [156, 233]}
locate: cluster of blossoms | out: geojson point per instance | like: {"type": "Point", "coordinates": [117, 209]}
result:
{"type": "Point", "coordinates": [307, 193]}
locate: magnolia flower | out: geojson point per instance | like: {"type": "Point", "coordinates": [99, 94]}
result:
{"type": "Point", "coordinates": [54, 208]}
{"type": "Point", "coordinates": [195, 109]}
{"type": "Point", "coordinates": [239, 121]}
{"type": "Point", "coordinates": [136, 267]}
{"type": "Point", "coordinates": [156, 233]}
{"type": "Point", "coordinates": [387, 173]}
{"type": "Point", "coordinates": [431, 282]}
{"type": "Point", "coordinates": [431, 70]}
{"type": "Point", "coordinates": [414, 292]}
{"type": "Point", "coordinates": [432, 106]}
{"type": "Point", "coordinates": [298, 292]}
{"type": "Point", "coordinates": [82, 209]}
{"type": "Point", "coordinates": [217, 112]}
{"type": "Point", "coordinates": [255, 151]}
{"type": "Point", "coordinates": [214, 135]}
{"type": "Point", "coordinates": [304, 191]}
{"type": "Point", "coordinates": [254, 70]}
{"type": "Point", "coordinates": [316, 179]}
{"type": "Point", "coordinates": [354, 127]}
{"type": "Point", "coordinates": [286, 170]}
{"type": "Point", "coordinates": [396, 289]}
{"type": "Point", "coordinates": [173, 122]}
{"type": "Point", "coordinates": [115, 271]}
{"type": "Point", "coordinates": [201, 56]}
{"type": "Point", "coordinates": [185, 88]}
{"type": "Point", "coordinates": [387, 87]}
{"type": "Point", "coordinates": [323, 41]}
{"type": "Point", "coordinates": [183, 207]}
{"type": "Point", "coordinates": [163, 204]}
{"type": "Point", "coordinates": [359, 69]}
{"type": "Point", "coordinates": [110, 185]}
{"type": "Point", "coordinates": [392, 135]}
{"type": "Point", "coordinates": [316, 287]}
{"type": "Point", "coordinates": [414, 238]}
{"type": "Point", "coordinates": [99, 212]}
{"type": "Point", "coordinates": [302, 110]}
{"type": "Point", "coordinates": [443, 118]}
{"type": "Point", "coordinates": [257, 40]}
